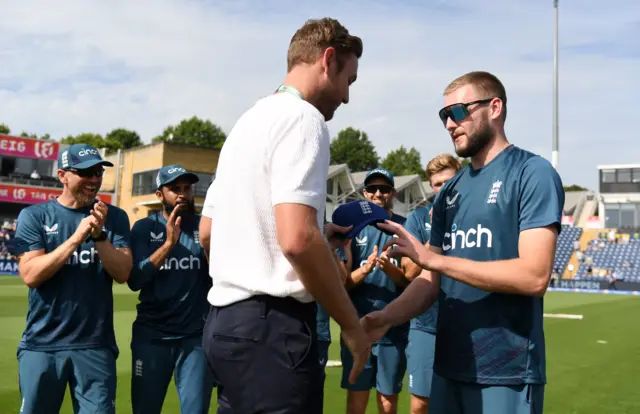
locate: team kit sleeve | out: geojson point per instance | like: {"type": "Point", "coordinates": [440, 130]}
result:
{"type": "Point", "coordinates": [413, 226]}
{"type": "Point", "coordinates": [143, 270]}
{"type": "Point", "coordinates": [207, 207]}
{"type": "Point", "coordinates": [437, 221]}
{"type": "Point", "coordinates": [541, 195]}
{"type": "Point", "coordinates": [122, 231]}
{"type": "Point", "coordinates": [299, 162]}
{"type": "Point", "coordinates": [28, 235]}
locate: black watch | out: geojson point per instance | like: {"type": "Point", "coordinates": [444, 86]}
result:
{"type": "Point", "coordinates": [101, 237]}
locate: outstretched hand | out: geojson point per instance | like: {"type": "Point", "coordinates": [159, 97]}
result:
{"type": "Point", "coordinates": [404, 244]}
{"type": "Point", "coordinates": [335, 235]}
{"type": "Point", "coordinates": [375, 325]}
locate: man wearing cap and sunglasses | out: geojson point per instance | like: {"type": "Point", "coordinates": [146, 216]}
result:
{"type": "Point", "coordinates": [375, 280]}
{"type": "Point", "coordinates": [171, 273]}
{"type": "Point", "coordinates": [70, 250]}
{"type": "Point", "coordinates": [493, 236]}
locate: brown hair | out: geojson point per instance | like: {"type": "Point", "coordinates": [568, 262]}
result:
{"type": "Point", "coordinates": [485, 83]}
{"type": "Point", "coordinates": [315, 36]}
{"type": "Point", "coordinates": [441, 163]}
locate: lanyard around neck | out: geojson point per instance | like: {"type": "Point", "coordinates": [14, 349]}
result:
{"type": "Point", "coordinates": [289, 89]}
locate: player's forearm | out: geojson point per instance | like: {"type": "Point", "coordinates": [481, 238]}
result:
{"type": "Point", "coordinates": [421, 293]}
{"type": "Point", "coordinates": [39, 269]}
{"type": "Point", "coordinates": [158, 257]}
{"type": "Point", "coordinates": [397, 276]}
{"type": "Point", "coordinates": [319, 273]}
{"type": "Point", "coordinates": [356, 277]}
{"type": "Point", "coordinates": [515, 276]}
{"type": "Point", "coordinates": [411, 270]}
{"type": "Point", "coordinates": [116, 263]}
{"type": "Point", "coordinates": [342, 267]}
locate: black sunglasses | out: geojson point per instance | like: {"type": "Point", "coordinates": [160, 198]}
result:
{"type": "Point", "coordinates": [383, 188]}
{"type": "Point", "coordinates": [87, 173]}
{"type": "Point", "coordinates": [459, 111]}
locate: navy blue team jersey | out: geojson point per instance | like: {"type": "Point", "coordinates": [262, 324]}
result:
{"type": "Point", "coordinates": [377, 290]}
{"type": "Point", "coordinates": [419, 225]}
{"type": "Point", "coordinates": [73, 309]}
{"type": "Point", "coordinates": [173, 299]}
{"type": "Point", "coordinates": [483, 337]}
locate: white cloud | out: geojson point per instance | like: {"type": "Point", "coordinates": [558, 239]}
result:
{"type": "Point", "coordinates": [85, 65]}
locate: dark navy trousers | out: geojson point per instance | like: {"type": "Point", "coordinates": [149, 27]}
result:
{"type": "Point", "coordinates": [263, 352]}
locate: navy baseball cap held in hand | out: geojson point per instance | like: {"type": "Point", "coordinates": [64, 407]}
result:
{"type": "Point", "coordinates": [359, 214]}
{"type": "Point", "coordinates": [170, 173]}
{"type": "Point", "coordinates": [80, 157]}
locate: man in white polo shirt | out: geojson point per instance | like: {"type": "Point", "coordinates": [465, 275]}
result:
{"type": "Point", "coordinates": [269, 259]}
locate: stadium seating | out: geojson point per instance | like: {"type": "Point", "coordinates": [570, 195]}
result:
{"type": "Point", "coordinates": [564, 247]}
{"type": "Point", "coordinates": [621, 255]}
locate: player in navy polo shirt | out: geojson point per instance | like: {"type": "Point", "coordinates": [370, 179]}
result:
{"type": "Point", "coordinates": [70, 250]}
{"type": "Point", "coordinates": [170, 271]}
{"type": "Point", "coordinates": [375, 280]}
{"type": "Point", "coordinates": [493, 237]}
{"type": "Point", "coordinates": [422, 334]}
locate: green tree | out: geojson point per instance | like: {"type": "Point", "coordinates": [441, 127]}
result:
{"type": "Point", "coordinates": [4, 129]}
{"type": "Point", "coordinates": [403, 162]}
{"type": "Point", "coordinates": [121, 138]}
{"type": "Point", "coordinates": [94, 140]}
{"type": "Point", "coordinates": [352, 147]}
{"type": "Point", "coordinates": [465, 162]}
{"type": "Point", "coordinates": [194, 131]}
{"type": "Point", "coordinates": [574, 187]}
{"type": "Point", "coordinates": [25, 134]}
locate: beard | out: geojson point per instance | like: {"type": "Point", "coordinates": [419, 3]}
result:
{"type": "Point", "coordinates": [83, 197]}
{"type": "Point", "coordinates": [188, 209]}
{"type": "Point", "coordinates": [477, 141]}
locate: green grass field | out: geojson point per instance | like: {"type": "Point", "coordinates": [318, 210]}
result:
{"type": "Point", "coordinates": [592, 363]}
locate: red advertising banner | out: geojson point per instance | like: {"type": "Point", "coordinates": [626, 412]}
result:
{"type": "Point", "coordinates": [29, 148]}
{"type": "Point", "coordinates": [35, 195]}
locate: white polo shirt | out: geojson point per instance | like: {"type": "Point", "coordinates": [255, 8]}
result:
{"type": "Point", "coordinates": [277, 152]}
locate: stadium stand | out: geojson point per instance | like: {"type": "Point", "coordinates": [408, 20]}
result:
{"type": "Point", "coordinates": [612, 255]}
{"type": "Point", "coordinates": [564, 248]}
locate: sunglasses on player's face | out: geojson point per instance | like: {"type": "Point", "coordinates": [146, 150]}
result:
{"type": "Point", "coordinates": [374, 188]}
{"type": "Point", "coordinates": [88, 172]}
{"type": "Point", "coordinates": [459, 112]}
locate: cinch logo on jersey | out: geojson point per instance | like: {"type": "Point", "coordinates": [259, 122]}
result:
{"type": "Point", "coordinates": [88, 151]}
{"type": "Point", "coordinates": [186, 263]}
{"type": "Point", "coordinates": [463, 239]}
{"type": "Point", "coordinates": [83, 257]}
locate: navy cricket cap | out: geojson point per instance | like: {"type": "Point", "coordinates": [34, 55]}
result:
{"type": "Point", "coordinates": [380, 172]}
{"type": "Point", "coordinates": [80, 157]}
{"type": "Point", "coordinates": [170, 173]}
{"type": "Point", "coordinates": [359, 214]}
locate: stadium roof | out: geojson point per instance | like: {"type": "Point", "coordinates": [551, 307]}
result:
{"type": "Point", "coordinates": [571, 199]}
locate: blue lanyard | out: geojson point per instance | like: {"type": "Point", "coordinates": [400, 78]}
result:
{"type": "Point", "coordinates": [289, 89]}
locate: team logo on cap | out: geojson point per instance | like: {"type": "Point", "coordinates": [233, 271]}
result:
{"type": "Point", "coordinates": [365, 207]}
{"type": "Point", "coordinates": [65, 159]}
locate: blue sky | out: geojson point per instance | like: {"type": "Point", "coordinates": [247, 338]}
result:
{"type": "Point", "coordinates": [91, 66]}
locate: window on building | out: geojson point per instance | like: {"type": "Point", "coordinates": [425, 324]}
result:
{"type": "Point", "coordinates": [627, 215]}
{"type": "Point", "coordinates": [201, 187]}
{"type": "Point", "coordinates": [612, 216]}
{"type": "Point", "coordinates": [624, 175]}
{"type": "Point", "coordinates": [144, 182]}
{"type": "Point", "coordinates": [608, 176]}
{"type": "Point", "coordinates": [635, 175]}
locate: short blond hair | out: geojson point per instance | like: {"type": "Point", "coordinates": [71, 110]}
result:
{"type": "Point", "coordinates": [315, 36]}
{"type": "Point", "coordinates": [485, 83]}
{"type": "Point", "coordinates": [441, 163]}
